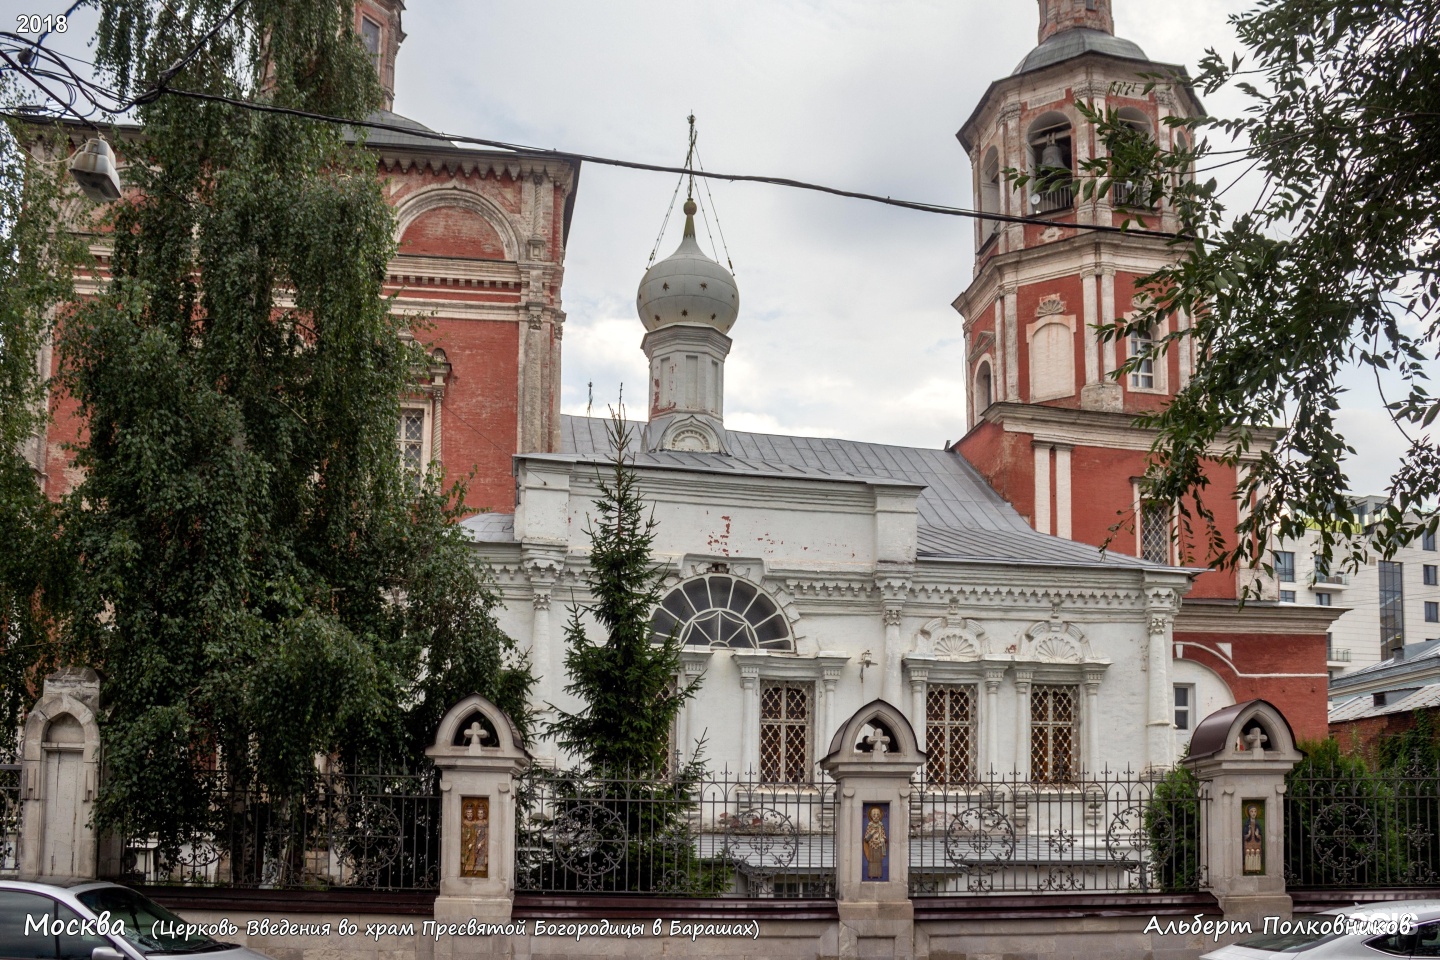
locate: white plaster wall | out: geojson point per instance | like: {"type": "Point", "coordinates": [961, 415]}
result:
{"type": "Point", "coordinates": [1211, 694]}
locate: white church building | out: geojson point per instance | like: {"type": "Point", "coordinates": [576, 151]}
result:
{"type": "Point", "coordinates": [808, 576]}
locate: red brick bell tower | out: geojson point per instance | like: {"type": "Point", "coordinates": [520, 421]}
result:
{"type": "Point", "coordinates": [1050, 422]}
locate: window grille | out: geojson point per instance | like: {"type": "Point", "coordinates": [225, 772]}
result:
{"type": "Point", "coordinates": [1287, 596]}
{"type": "Point", "coordinates": [1155, 532]}
{"type": "Point", "coordinates": [785, 710]}
{"type": "Point", "coordinates": [411, 438]}
{"type": "Point", "coordinates": [950, 734]}
{"type": "Point", "coordinates": [1052, 733]}
{"type": "Point", "coordinates": [1285, 566]}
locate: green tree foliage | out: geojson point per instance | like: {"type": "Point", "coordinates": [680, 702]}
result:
{"type": "Point", "coordinates": [37, 260]}
{"type": "Point", "coordinates": [1172, 823]}
{"type": "Point", "coordinates": [260, 579]}
{"type": "Point", "coordinates": [1335, 268]}
{"type": "Point", "coordinates": [626, 682]}
{"type": "Point", "coordinates": [627, 804]}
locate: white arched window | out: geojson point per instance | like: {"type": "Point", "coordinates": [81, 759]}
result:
{"type": "Point", "coordinates": [718, 610]}
{"type": "Point", "coordinates": [990, 192]}
{"type": "Point", "coordinates": [1125, 193]}
{"type": "Point", "coordinates": [1052, 163]}
{"type": "Point", "coordinates": [984, 388]}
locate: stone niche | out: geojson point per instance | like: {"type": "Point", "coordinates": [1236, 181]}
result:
{"type": "Point", "coordinates": [59, 775]}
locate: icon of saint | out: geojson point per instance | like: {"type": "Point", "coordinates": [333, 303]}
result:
{"type": "Point", "coordinates": [1253, 841]}
{"type": "Point", "coordinates": [876, 845]}
{"type": "Point", "coordinates": [475, 838]}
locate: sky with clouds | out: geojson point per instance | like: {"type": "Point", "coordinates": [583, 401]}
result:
{"type": "Point", "coordinates": [845, 326]}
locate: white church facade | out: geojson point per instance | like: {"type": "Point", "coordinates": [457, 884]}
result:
{"type": "Point", "coordinates": [810, 576]}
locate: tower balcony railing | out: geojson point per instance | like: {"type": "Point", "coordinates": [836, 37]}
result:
{"type": "Point", "coordinates": [1055, 198]}
{"type": "Point", "coordinates": [1125, 194]}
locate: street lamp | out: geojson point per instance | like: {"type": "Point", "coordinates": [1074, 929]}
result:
{"type": "Point", "coordinates": [93, 167]}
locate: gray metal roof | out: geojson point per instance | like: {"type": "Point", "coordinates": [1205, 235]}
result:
{"type": "Point", "coordinates": [1416, 658]}
{"type": "Point", "coordinates": [960, 516]}
{"type": "Point", "coordinates": [1356, 708]}
{"type": "Point", "coordinates": [1068, 44]}
{"type": "Point", "coordinates": [391, 138]}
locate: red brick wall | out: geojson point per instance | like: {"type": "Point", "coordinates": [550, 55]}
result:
{"type": "Point", "coordinates": [478, 419]}
{"type": "Point", "coordinates": [1360, 737]}
{"type": "Point", "coordinates": [451, 232]}
{"type": "Point", "coordinates": [1256, 660]}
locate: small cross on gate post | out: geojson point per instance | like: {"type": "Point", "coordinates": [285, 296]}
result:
{"type": "Point", "coordinates": [878, 743]}
{"type": "Point", "coordinates": [1257, 740]}
{"type": "Point", "coordinates": [475, 735]}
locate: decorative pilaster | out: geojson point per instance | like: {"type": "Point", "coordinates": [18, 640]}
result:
{"type": "Point", "coordinates": [1042, 487]}
{"type": "Point", "coordinates": [1091, 719]}
{"type": "Point", "coordinates": [990, 719]}
{"type": "Point", "coordinates": [1107, 317]}
{"type": "Point", "coordinates": [749, 719]}
{"type": "Point", "coordinates": [1062, 491]}
{"type": "Point", "coordinates": [1160, 611]}
{"type": "Point", "coordinates": [1012, 343]}
{"type": "Point", "coordinates": [829, 676]}
{"type": "Point", "coordinates": [1023, 677]}
{"type": "Point", "coordinates": [894, 590]}
{"type": "Point", "coordinates": [693, 661]}
{"type": "Point", "coordinates": [543, 570]}
{"type": "Point", "coordinates": [919, 681]}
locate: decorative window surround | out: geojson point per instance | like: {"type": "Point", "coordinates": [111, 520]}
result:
{"type": "Point", "coordinates": [954, 651]}
{"type": "Point", "coordinates": [1052, 375]}
{"type": "Point", "coordinates": [754, 665]}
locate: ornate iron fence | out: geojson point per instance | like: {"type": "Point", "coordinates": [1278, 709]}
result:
{"type": "Point", "coordinates": [378, 831]}
{"type": "Point", "coordinates": [9, 818]}
{"type": "Point", "coordinates": [1113, 832]}
{"type": "Point", "coordinates": [1350, 827]}
{"type": "Point", "coordinates": [714, 836]}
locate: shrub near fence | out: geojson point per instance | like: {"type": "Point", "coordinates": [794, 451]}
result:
{"type": "Point", "coordinates": [1347, 826]}
{"type": "Point", "coordinates": [376, 831]}
{"type": "Point", "coordinates": [696, 836]}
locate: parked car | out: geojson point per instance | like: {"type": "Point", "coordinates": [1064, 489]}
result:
{"type": "Point", "coordinates": [1377, 933]}
{"type": "Point", "coordinates": [63, 921]}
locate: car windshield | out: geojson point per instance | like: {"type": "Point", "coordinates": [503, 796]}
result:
{"type": "Point", "coordinates": [147, 924]}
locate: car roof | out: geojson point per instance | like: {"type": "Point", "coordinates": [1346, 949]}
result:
{"type": "Point", "coordinates": [51, 884]}
{"type": "Point", "coordinates": [1423, 909]}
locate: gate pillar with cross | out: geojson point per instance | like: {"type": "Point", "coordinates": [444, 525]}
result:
{"type": "Point", "coordinates": [872, 758]}
{"type": "Point", "coordinates": [478, 750]}
{"type": "Point", "coordinates": [1241, 755]}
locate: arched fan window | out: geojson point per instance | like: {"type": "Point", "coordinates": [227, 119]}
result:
{"type": "Point", "coordinates": [718, 610]}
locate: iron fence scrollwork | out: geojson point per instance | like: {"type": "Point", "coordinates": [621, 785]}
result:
{"type": "Point", "coordinates": [1110, 832]}
{"type": "Point", "coordinates": [374, 830]}
{"type": "Point", "coordinates": [701, 837]}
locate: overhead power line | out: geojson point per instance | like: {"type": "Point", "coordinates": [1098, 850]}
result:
{"type": "Point", "coordinates": [94, 93]}
{"type": "Point", "coordinates": [454, 138]}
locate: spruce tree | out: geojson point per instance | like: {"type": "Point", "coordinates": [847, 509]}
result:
{"type": "Point", "coordinates": [626, 680]}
